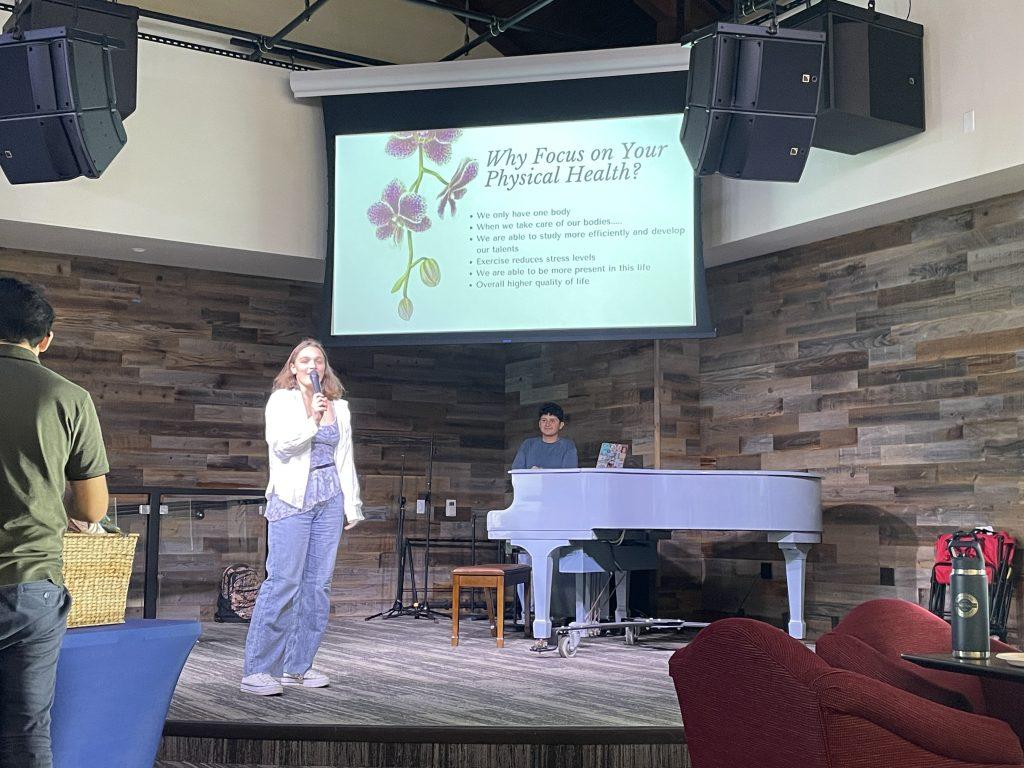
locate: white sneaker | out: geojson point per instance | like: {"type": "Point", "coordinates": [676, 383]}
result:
{"type": "Point", "coordinates": [308, 679]}
{"type": "Point", "coordinates": [261, 684]}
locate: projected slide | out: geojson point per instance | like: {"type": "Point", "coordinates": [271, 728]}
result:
{"type": "Point", "coordinates": [569, 226]}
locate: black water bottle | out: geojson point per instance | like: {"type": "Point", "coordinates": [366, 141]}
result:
{"type": "Point", "coordinates": [968, 586]}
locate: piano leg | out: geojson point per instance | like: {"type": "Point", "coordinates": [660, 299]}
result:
{"type": "Point", "coordinates": [621, 595]}
{"type": "Point", "coordinates": [796, 560]}
{"type": "Point", "coordinates": [523, 559]}
{"type": "Point", "coordinates": [582, 597]}
{"type": "Point", "coordinates": [542, 565]}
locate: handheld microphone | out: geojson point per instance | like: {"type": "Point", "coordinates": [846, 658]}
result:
{"type": "Point", "coordinates": [314, 379]}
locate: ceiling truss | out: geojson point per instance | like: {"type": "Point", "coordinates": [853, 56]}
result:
{"type": "Point", "coordinates": [554, 25]}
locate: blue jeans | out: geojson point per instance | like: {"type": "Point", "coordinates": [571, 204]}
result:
{"type": "Point", "coordinates": [33, 617]}
{"type": "Point", "coordinates": [293, 604]}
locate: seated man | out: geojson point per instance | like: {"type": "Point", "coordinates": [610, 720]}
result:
{"type": "Point", "coordinates": [581, 590]}
{"type": "Point", "coordinates": [549, 451]}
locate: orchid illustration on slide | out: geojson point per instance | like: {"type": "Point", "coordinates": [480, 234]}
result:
{"type": "Point", "coordinates": [401, 211]}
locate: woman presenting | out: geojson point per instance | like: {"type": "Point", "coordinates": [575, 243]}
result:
{"type": "Point", "coordinates": [313, 489]}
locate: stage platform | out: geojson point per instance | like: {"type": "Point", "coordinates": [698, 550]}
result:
{"type": "Point", "coordinates": [401, 696]}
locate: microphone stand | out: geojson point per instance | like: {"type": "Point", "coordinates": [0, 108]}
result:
{"type": "Point", "coordinates": [398, 608]}
{"type": "Point", "coordinates": [405, 563]}
{"type": "Point", "coordinates": [423, 610]}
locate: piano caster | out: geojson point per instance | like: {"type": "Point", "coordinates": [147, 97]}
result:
{"type": "Point", "coordinates": [569, 637]}
{"type": "Point", "coordinates": [567, 644]}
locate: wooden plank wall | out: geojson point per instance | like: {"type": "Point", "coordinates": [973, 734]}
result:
{"type": "Point", "coordinates": [607, 390]}
{"type": "Point", "coordinates": [401, 398]}
{"type": "Point", "coordinates": [890, 361]}
{"type": "Point", "coordinates": [180, 362]}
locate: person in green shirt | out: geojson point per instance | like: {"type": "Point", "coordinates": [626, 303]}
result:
{"type": "Point", "coordinates": [50, 441]}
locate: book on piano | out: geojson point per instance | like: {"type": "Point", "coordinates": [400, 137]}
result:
{"type": "Point", "coordinates": [612, 455]}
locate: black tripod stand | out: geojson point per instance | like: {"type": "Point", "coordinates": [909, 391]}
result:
{"type": "Point", "coordinates": [403, 550]}
{"type": "Point", "coordinates": [398, 608]}
{"type": "Point", "coordinates": [422, 609]}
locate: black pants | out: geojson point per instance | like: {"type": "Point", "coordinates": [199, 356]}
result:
{"type": "Point", "coordinates": [33, 617]}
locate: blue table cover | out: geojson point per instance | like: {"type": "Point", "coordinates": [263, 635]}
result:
{"type": "Point", "coordinates": [114, 685]}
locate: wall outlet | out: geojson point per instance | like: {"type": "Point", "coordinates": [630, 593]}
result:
{"type": "Point", "coordinates": [421, 506]}
{"type": "Point", "coordinates": [449, 507]}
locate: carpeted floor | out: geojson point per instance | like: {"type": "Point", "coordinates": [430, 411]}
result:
{"type": "Point", "coordinates": [404, 672]}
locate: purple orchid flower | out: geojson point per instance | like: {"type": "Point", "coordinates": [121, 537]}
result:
{"type": "Point", "coordinates": [456, 188]}
{"type": "Point", "coordinates": [397, 211]}
{"type": "Point", "coordinates": [437, 145]}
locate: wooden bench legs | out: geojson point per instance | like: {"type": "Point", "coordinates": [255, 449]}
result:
{"type": "Point", "coordinates": [495, 602]}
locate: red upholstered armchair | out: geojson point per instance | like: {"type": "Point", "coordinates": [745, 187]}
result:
{"type": "Point", "coordinates": [750, 695]}
{"type": "Point", "coordinates": [870, 639]}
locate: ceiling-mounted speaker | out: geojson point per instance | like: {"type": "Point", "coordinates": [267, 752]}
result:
{"type": "Point", "coordinates": [58, 108]}
{"type": "Point", "coordinates": [751, 99]}
{"type": "Point", "coordinates": [100, 17]}
{"type": "Point", "coordinates": [873, 84]}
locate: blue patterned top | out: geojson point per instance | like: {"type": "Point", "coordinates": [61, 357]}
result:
{"type": "Point", "coordinates": [323, 484]}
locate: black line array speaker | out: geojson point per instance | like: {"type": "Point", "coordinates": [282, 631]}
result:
{"type": "Point", "coordinates": [872, 90]}
{"type": "Point", "coordinates": [100, 17]}
{"type": "Point", "coordinates": [751, 99]}
{"type": "Point", "coordinates": [58, 109]}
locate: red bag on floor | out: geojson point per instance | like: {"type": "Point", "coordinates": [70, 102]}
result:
{"type": "Point", "coordinates": [996, 546]}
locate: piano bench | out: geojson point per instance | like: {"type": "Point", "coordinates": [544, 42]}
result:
{"type": "Point", "coordinates": [488, 577]}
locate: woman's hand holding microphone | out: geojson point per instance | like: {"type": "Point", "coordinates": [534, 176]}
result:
{"type": "Point", "coordinates": [318, 406]}
{"type": "Point", "coordinates": [319, 403]}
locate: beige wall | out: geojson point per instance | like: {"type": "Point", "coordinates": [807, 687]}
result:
{"type": "Point", "coordinates": [219, 156]}
{"type": "Point", "coordinates": [225, 170]}
{"type": "Point", "coordinates": [970, 63]}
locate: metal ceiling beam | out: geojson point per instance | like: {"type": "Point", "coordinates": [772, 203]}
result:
{"type": "Point", "coordinates": [316, 54]}
{"type": "Point", "coordinates": [497, 27]}
{"type": "Point", "coordinates": [758, 11]}
{"type": "Point", "coordinates": [265, 45]}
{"type": "Point", "coordinates": [244, 38]}
{"type": "Point", "coordinates": [489, 18]}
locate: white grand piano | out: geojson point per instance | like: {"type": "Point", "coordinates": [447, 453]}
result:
{"type": "Point", "coordinates": [554, 508]}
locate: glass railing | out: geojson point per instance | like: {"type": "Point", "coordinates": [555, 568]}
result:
{"type": "Point", "coordinates": [187, 537]}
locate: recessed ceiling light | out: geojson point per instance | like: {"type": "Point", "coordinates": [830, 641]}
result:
{"type": "Point", "coordinates": [139, 250]}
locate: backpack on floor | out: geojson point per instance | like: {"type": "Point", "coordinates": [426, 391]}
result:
{"type": "Point", "coordinates": [239, 586]}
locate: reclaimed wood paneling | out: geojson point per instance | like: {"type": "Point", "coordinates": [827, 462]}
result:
{"type": "Point", "coordinates": [891, 361]}
{"type": "Point", "coordinates": [180, 363]}
{"type": "Point", "coordinates": [913, 338]}
{"type": "Point", "coordinates": [608, 392]}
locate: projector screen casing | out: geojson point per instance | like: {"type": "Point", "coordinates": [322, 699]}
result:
{"type": "Point", "coordinates": [510, 104]}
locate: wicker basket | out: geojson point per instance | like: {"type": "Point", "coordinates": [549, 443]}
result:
{"type": "Point", "coordinates": [97, 569]}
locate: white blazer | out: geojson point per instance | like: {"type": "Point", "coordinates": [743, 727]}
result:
{"type": "Point", "coordinates": [289, 437]}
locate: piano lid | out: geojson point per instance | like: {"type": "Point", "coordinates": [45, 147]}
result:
{"type": "Point", "coordinates": [626, 471]}
{"type": "Point", "coordinates": [571, 503]}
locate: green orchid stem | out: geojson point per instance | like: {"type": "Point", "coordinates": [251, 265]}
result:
{"type": "Point", "coordinates": [436, 175]}
{"type": "Point", "coordinates": [408, 275]}
{"type": "Point", "coordinates": [408, 268]}
{"type": "Point", "coordinates": [419, 178]}
{"type": "Point", "coordinates": [423, 169]}
{"type": "Point", "coordinates": [416, 188]}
